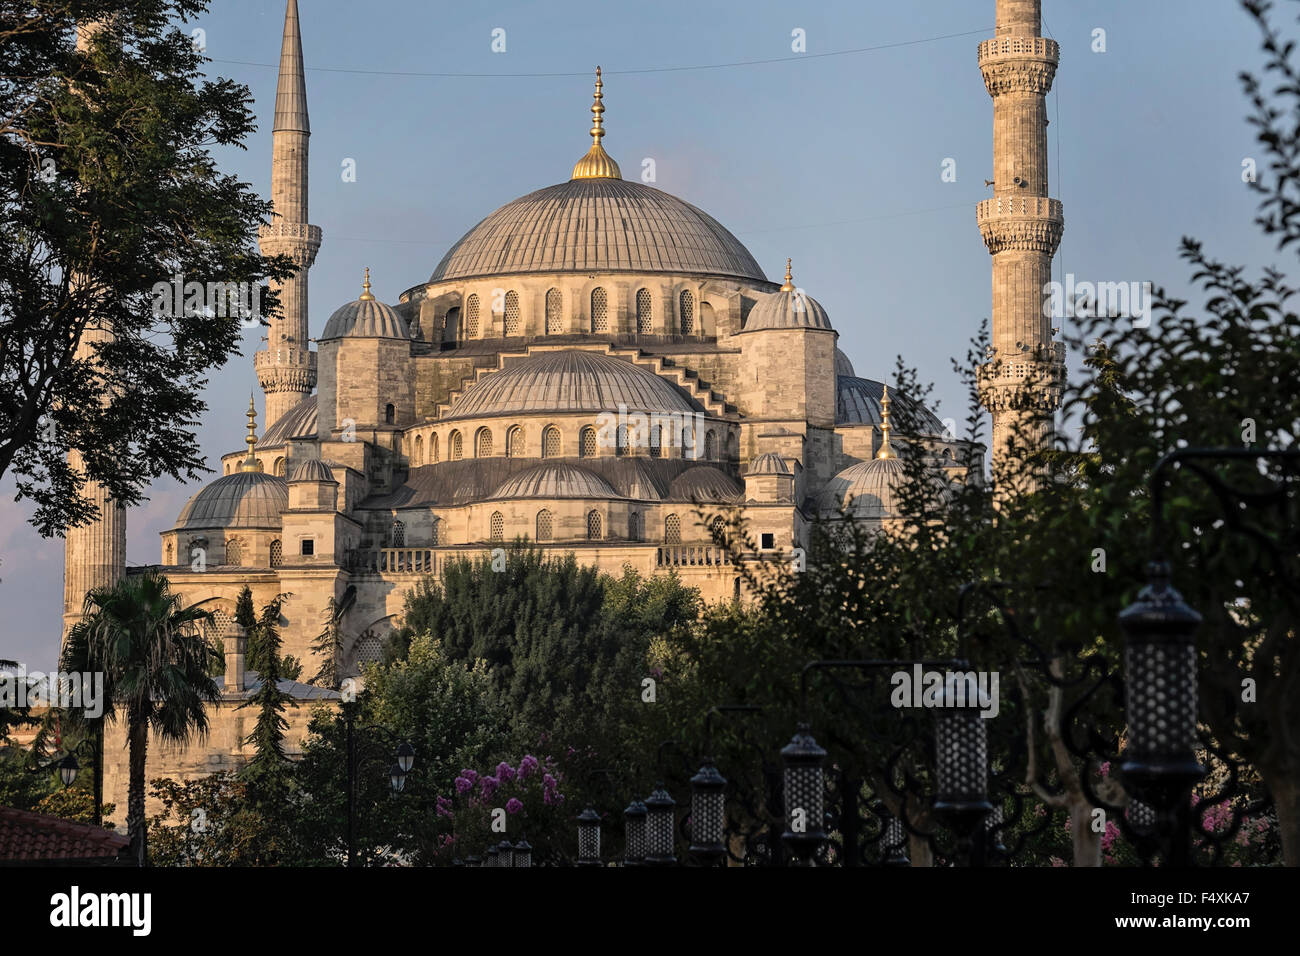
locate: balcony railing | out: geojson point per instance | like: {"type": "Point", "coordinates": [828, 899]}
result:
{"type": "Point", "coordinates": [691, 556]}
{"type": "Point", "coordinates": [393, 561]}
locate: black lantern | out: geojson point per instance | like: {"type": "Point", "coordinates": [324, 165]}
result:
{"type": "Point", "coordinates": [1141, 816]}
{"type": "Point", "coordinates": [634, 834]}
{"type": "Point", "coordinates": [894, 843]}
{"type": "Point", "coordinates": [1160, 695]}
{"type": "Point", "coordinates": [505, 853]}
{"type": "Point", "coordinates": [660, 827]}
{"type": "Point", "coordinates": [804, 795]}
{"type": "Point", "coordinates": [961, 752]}
{"type": "Point", "coordinates": [405, 756]}
{"type": "Point", "coordinates": [396, 777]}
{"type": "Point", "coordinates": [68, 768]}
{"type": "Point", "coordinates": [492, 856]}
{"type": "Point", "coordinates": [589, 838]}
{"type": "Point", "coordinates": [523, 853]}
{"type": "Point", "coordinates": [708, 813]}
{"type": "Point", "coordinates": [473, 860]}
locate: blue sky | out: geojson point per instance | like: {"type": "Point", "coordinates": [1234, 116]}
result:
{"type": "Point", "coordinates": [833, 160]}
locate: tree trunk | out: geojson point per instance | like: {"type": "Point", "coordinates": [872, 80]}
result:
{"type": "Point", "coordinates": [1285, 791]}
{"type": "Point", "coordinates": [1086, 841]}
{"type": "Point", "coordinates": [136, 829]}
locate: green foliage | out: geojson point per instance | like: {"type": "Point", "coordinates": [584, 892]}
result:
{"type": "Point", "coordinates": [211, 822]}
{"type": "Point", "coordinates": [267, 774]}
{"type": "Point", "coordinates": [109, 187]}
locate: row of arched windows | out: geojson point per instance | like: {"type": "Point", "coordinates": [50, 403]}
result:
{"type": "Point", "coordinates": [598, 313]}
{"type": "Point", "coordinates": [235, 552]}
{"type": "Point", "coordinates": [544, 526]}
{"type": "Point", "coordinates": [552, 444]}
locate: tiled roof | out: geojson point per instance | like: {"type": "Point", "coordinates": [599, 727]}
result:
{"type": "Point", "coordinates": [27, 837]}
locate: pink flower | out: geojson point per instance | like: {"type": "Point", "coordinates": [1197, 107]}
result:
{"type": "Point", "coordinates": [1105, 769]}
{"type": "Point", "coordinates": [489, 785]}
{"type": "Point", "coordinates": [505, 773]}
{"type": "Point", "coordinates": [469, 775]}
{"type": "Point", "coordinates": [549, 782]}
{"type": "Point", "coordinates": [444, 806]}
{"type": "Point", "coordinates": [527, 766]}
{"type": "Point", "coordinates": [513, 805]}
{"type": "Point", "coordinates": [464, 784]}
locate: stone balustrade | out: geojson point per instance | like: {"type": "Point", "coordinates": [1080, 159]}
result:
{"type": "Point", "coordinates": [684, 556]}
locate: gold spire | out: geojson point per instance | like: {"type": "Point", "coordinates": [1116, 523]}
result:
{"type": "Point", "coordinates": [789, 279]}
{"type": "Point", "coordinates": [251, 463]}
{"type": "Point", "coordinates": [885, 450]}
{"type": "Point", "coordinates": [365, 289]}
{"type": "Point", "coordinates": [597, 164]}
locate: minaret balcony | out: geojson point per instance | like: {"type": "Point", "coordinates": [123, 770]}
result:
{"type": "Point", "coordinates": [1023, 223]}
{"type": "Point", "coordinates": [1019, 64]}
{"type": "Point", "coordinates": [1019, 48]}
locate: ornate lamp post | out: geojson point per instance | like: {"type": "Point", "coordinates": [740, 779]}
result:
{"type": "Point", "coordinates": [634, 834]}
{"type": "Point", "coordinates": [961, 750]}
{"type": "Point", "coordinates": [523, 854]}
{"type": "Point", "coordinates": [397, 772]}
{"type": "Point", "coordinates": [505, 853]}
{"type": "Point", "coordinates": [708, 814]}
{"type": "Point", "coordinates": [805, 795]}
{"type": "Point", "coordinates": [589, 838]}
{"type": "Point", "coordinates": [661, 826]}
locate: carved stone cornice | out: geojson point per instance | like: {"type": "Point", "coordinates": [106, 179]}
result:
{"type": "Point", "coordinates": [1019, 64]}
{"type": "Point", "coordinates": [1033, 379]}
{"type": "Point", "coordinates": [297, 240]}
{"type": "Point", "coordinates": [286, 370]}
{"type": "Point", "coordinates": [1021, 223]}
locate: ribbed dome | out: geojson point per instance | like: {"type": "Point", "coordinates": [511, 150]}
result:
{"type": "Point", "coordinates": [787, 310]}
{"type": "Point", "coordinates": [857, 402]}
{"type": "Point", "coordinates": [768, 463]}
{"type": "Point", "coordinates": [568, 381]}
{"type": "Point", "coordinates": [310, 469]}
{"type": "Point", "coordinates": [598, 225]}
{"type": "Point", "coordinates": [367, 317]}
{"type": "Point", "coordinates": [869, 489]}
{"type": "Point", "coordinates": [704, 483]}
{"type": "Point", "coordinates": [555, 480]}
{"type": "Point", "coordinates": [246, 499]}
{"type": "Point", "coordinates": [298, 422]}
{"type": "Point", "coordinates": [843, 365]}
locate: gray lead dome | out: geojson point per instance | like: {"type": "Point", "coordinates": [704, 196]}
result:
{"type": "Point", "coordinates": [246, 499]}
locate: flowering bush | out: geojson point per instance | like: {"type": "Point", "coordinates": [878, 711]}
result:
{"type": "Point", "coordinates": [529, 794]}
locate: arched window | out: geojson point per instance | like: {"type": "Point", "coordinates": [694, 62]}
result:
{"type": "Point", "coordinates": [554, 311]}
{"type": "Point", "coordinates": [417, 459]}
{"type": "Point", "coordinates": [433, 532]}
{"type": "Point", "coordinates": [279, 467]}
{"type": "Point", "coordinates": [497, 526]}
{"type": "Point", "coordinates": [515, 442]}
{"type": "Point", "coordinates": [620, 441]}
{"type": "Point", "coordinates": [277, 553]}
{"type": "Point", "coordinates": [397, 535]}
{"type": "Point", "coordinates": [643, 311]}
{"type": "Point", "coordinates": [710, 446]}
{"type": "Point", "coordinates": [451, 325]}
{"type": "Point", "coordinates": [169, 554]}
{"type": "Point", "coordinates": [454, 450]}
{"type": "Point", "coordinates": [234, 552]}
{"type": "Point", "coordinates": [551, 442]}
{"type": "Point", "coordinates": [593, 526]}
{"type": "Point", "coordinates": [672, 530]}
{"type": "Point", "coordinates": [733, 447]}
{"type": "Point", "coordinates": [599, 310]}
{"type": "Point", "coordinates": [471, 317]}
{"type": "Point", "coordinates": [656, 441]}
{"type": "Point", "coordinates": [512, 313]}
{"type": "Point", "coordinates": [587, 442]}
{"type": "Point", "coordinates": [483, 443]}
{"type": "Point", "coordinates": [633, 526]}
{"type": "Point", "coordinates": [544, 525]}
{"type": "Point", "coordinates": [718, 529]}
{"type": "Point", "coordinates": [433, 448]}
{"type": "Point", "coordinates": [390, 413]}
{"type": "Point", "coordinates": [686, 310]}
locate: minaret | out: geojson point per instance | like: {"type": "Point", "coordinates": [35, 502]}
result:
{"type": "Point", "coordinates": [94, 555]}
{"type": "Point", "coordinates": [1021, 384]}
{"type": "Point", "coordinates": [287, 369]}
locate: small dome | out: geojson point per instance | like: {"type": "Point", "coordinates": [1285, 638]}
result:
{"type": "Point", "coordinates": [555, 481]}
{"type": "Point", "coordinates": [787, 309]}
{"type": "Point", "coordinates": [704, 483]}
{"type": "Point", "coordinates": [568, 381]}
{"type": "Point", "coordinates": [768, 463]}
{"type": "Point", "coordinates": [367, 317]}
{"type": "Point", "coordinates": [857, 402]}
{"type": "Point", "coordinates": [310, 469]}
{"type": "Point", "coordinates": [297, 424]}
{"type": "Point", "coordinates": [842, 364]}
{"type": "Point", "coordinates": [869, 489]}
{"type": "Point", "coordinates": [246, 499]}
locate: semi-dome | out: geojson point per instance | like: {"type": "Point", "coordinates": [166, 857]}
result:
{"type": "Point", "coordinates": [704, 483]}
{"type": "Point", "coordinates": [367, 317]}
{"type": "Point", "coordinates": [869, 489]}
{"type": "Point", "coordinates": [297, 424]}
{"type": "Point", "coordinates": [310, 469]}
{"type": "Point", "coordinates": [843, 364]}
{"type": "Point", "coordinates": [555, 480]}
{"type": "Point", "coordinates": [246, 499]}
{"type": "Point", "coordinates": [787, 308]}
{"type": "Point", "coordinates": [768, 463]}
{"type": "Point", "coordinates": [568, 380]}
{"type": "Point", "coordinates": [857, 402]}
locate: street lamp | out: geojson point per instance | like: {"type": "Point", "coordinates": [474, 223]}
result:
{"type": "Point", "coordinates": [506, 853]}
{"type": "Point", "coordinates": [894, 843]}
{"type": "Point", "coordinates": [589, 838]}
{"type": "Point", "coordinates": [804, 795]}
{"type": "Point", "coordinates": [961, 746]}
{"type": "Point", "coordinates": [708, 813]}
{"type": "Point", "coordinates": [634, 834]}
{"type": "Point", "coordinates": [405, 756]}
{"type": "Point", "coordinates": [68, 768]}
{"type": "Point", "coordinates": [523, 854]}
{"type": "Point", "coordinates": [397, 778]}
{"type": "Point", "coordinates": [660, 827]}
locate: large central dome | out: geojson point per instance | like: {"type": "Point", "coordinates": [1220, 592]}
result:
{"type": "Point", "coordinates": [598, 225]}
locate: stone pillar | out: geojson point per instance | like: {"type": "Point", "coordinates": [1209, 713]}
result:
{"type": "Point", "coordinates": [1021, 225]}
{"type": "Point", "coordinates": [236, 646]}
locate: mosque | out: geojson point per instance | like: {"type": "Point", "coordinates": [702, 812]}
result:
{"type": "Point", "coordinates": [597, 367]}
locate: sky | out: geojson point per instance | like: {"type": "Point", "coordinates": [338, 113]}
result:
{"type": "Point", "coordinates": [832, 155]}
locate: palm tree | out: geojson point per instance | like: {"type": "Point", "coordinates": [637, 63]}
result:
{"type": "Point", "coordinates": [156, 670]}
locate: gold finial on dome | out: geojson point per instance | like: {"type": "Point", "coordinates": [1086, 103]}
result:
{"type": "Point", "coordinates": [251, 463]}
{"type": "Point", "coordinates": [885, 450]}
{"type": "Point", "coordinates": [789, 279]}
{"type": "Point", "coordinates": [597, 164]}
{"type": "Point", "coordinates": [365, 289]}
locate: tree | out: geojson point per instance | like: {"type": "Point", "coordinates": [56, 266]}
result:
{"type": "Point", "coordinates": [156, 672]}
{"type": "Point", "coordinates": [108, 193]}
{"type": "Point", "coordinates": [267, 774]}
